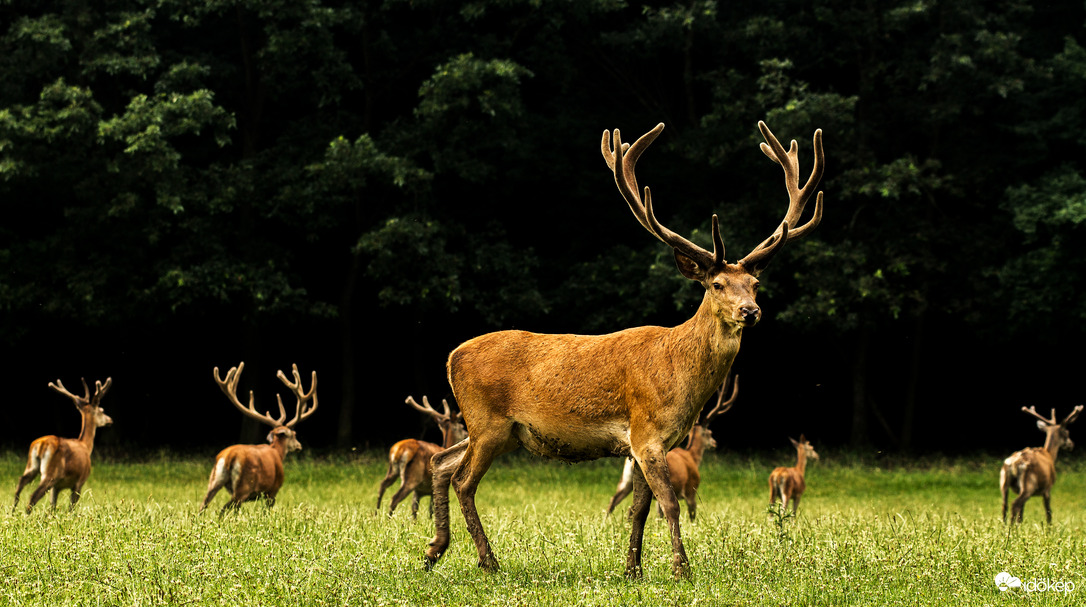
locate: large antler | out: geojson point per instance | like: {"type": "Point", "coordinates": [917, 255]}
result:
{"type": "Point", "coordinates": [100, 390]}
{"type": "Point", "coordinates": [1032, 411]}
{"type": "Point", "coordinates": [425, 407]}
{"type": "Point", "coordinates": [622, 159]}
{"type": "Point", "coordinates": [722, 406]}
{"type": "Point", "coordinates": [1072, 416]}
{"type": "Point", "coordinates": [304, 397]}
{"type": "Point", "coordinates": [797, 196]}
{"type": "Point", "coordinates": [229, 387]}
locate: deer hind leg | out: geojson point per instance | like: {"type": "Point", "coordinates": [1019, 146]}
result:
{"type": "Point", "coordinates": [1004, 486]}
{"type": "Point", "coordinates": [469, 471]}
{"type": "Point", "coordinates": [1047, 495]}
{"type": "Point", "coordinates": [415, 506]}
{"type": "Point", "coordinates": [653, 463]}
{"type": "Point", "coordinates": [639, 513]}
{"type": "Point", "coordinates": [29, 475]}
{"type": "Point", "coordinates": [218, 480]}
{"type": "Point", "coordinates": [1018, 505]}
{"type": "Point", "coordinates": [443, 465]}
{"type": "Point", "coordinates": [795, 503]}
{"type": "Point", "coordinates": [390, 477]}
{"type": "Point", "coordinates": [410, 475]}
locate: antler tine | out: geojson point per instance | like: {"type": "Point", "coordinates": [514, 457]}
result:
{"type": "Point", "coordinates": [427, 409]}
{"type": "Point", "coordinates": [100, 390]}
{"type": "Point", "coordinates": [797, 196]}
{"type": "Point", "coordinates": [229, 387]}
{"type": "Point", "coordinates": [1072, 416]}
{"type": "Point", "coordinates": [722, 406]}
{"type": "Point", "coordinates": [302, 412]}
{"type": "Point", "coordinates": [622, 158]}
{"type": "Point", "coordinates": [59, 388]}
{"type": "Point", "coordinates": [1033, 411]}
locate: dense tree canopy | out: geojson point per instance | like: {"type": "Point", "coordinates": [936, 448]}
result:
{"type": "Point", "coordinates": [360, 186]}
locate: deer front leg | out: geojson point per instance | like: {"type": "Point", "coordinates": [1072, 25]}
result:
{"type": "Point", "coordinates": [653, 462]}
{"type": "Point", "coordinates": [443, 465]}
{"type": "Point", "coordinates": [477, 458]}
{"type": "Point", "coordinates": [1048, 506]}
{"type": "Point", "coordinates": [639, 513]}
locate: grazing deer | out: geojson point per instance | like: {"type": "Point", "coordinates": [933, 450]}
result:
{"type": "Point", "coordinates": [788, 484]}
{"type": "Point", "coordinates": [410, 458]}
{"type": "Point", "coordinates": [64, 463]}
{"type": "Point", "coordinates": [683, 462]}
{"type": "Point", "coordinates": [1033, 470]}
{"type": "Point", "coordinates": [634, 393]}
{"type": "Point", "coordinates": [251, 471]}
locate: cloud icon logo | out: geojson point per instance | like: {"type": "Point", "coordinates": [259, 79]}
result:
{"type": "Point", "coordinates": [1005, 580]}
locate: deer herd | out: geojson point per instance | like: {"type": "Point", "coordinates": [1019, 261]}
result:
{"type": "Point", "coordinates": [633, 394]}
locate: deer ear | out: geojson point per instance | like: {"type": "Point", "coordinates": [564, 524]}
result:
{"type": "Point", "coordinates": [1043, 427]}
{"type": "Point", "coordinates": [795, 443]}
{"type": "Point", "coordinates": [690, 268]}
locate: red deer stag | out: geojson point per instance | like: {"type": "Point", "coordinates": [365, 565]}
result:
{"type": "Point", "coordinates": [65, 463]}
{"type": "Point", "coordinates": [251, 471]}
{"type": "Point", "coordinates": [788, 484]}
{"type": "Point", "coordinates": [683, 462]}
{"type": "Point", "coordinates": [409, 459]}
{"type": "Point", "coordinates": [632, 393]}
{"type": "Point", "coordinates": [1033, 470]}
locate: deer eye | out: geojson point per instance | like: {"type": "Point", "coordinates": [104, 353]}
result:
{"type": "Point", "coordinates": [754, 287]}
{"type": "Point", "coordinates": [718, 286]}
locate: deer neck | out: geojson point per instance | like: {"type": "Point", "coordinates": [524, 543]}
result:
{"type": "Point", "coordinates": [278, 445]}
{"type": "Point", "coordinates": [87, 432]}
{"type": "Point", "coordinates": [706, 345]}
{"type": "Point", "coordinates": [1052, 442]}
{"type": "Point", "coordinates": [696, 445]}
{"type": "Point", "coordinates": [801, 461]}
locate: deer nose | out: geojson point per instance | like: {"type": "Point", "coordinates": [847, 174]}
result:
{"type": "Point", "coordinates": [750, 314]}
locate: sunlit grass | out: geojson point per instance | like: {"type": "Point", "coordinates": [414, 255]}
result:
{"type": "Point", "coordinates": [868, 533]}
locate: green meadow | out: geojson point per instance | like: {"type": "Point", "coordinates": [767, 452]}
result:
{"type": "Point", "coordinates": [869, 532]}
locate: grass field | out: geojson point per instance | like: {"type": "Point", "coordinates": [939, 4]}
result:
{"type": "Point", "coordinates": [923, 532]}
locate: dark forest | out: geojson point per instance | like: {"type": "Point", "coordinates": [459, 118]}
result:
{"type": "Point", "coordinates": [359, 187]}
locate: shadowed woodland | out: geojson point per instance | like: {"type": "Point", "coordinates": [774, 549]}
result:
{"type": "Point", "coordinates": [358, 187]}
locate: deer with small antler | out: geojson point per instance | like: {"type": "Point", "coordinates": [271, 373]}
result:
{"type": "Point", "coordinates": [634, 393]}
{"type": "Point", "coordinates": [788, 484]}
{"type": "Point", "coordinates": [683, 462]}
{"type": "Point", "coordinates": [410, 458]}
{"type": "Point", "coordinates": [251, 471]}
{"type": "Point", "coordinates": [1033, 470]}
{"type": "Point", "coordinates": [65, 463]}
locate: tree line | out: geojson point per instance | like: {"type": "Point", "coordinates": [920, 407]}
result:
{"type": "Point", "coordinates": [358, 187]}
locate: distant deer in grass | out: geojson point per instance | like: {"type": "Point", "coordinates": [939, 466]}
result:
{"type": "Point", "coordinates": [251, 471]}
{"type": "Point", "coordinates": [409, 459]}
{"type": "Point", "coordinates": [683, 462]}
{"type": "Point", "coordinates": [788, 484]}
{"type": "Point", "coordinates": [1033, 470]}
{"type": "Point", "coordinates": [65, 463]}
{"type": "Point", "coordinates": [634, 393]}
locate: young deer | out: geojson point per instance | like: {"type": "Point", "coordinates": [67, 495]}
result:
{"type": "Point", "coordinates": [410, 458]}
{"type": "Point", "coordinates": [634, 393]}
{"type": "Point", "coordinates": [251, 471]}
{"type": "Point", "coordinates": [64, 463]}
{"type": "Point", "coordinates": [1033, 470]}
{"type": "Point", "coordinates": [788, 484]}
{"type": "Point", "coordinates": [683, 462]}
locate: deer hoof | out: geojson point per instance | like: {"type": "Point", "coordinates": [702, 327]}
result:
{"type": "Point", "coordinates": [489, 564]}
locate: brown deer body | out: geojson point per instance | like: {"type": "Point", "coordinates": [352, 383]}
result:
{"type": "Point", "coordinates": [1033, 470]}
{"type": "Point", "coordinates": [251, 471]}
{"type": "Point", "coordinates": [409, 459]}
{"type": "Point", "coordinates": [682, 462]}
{"type": "Point", "coordinates": [632, 393]}
{"type": "Point", "coordinates": [788, 484]}
{"type": "Point", "coordinates": [65, 463]}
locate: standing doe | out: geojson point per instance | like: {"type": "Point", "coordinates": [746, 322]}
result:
{"type": "Point", "coordinates": [1033, 470]}
{"type": "Point", "coordinates": [788, 484]}
{"type": "Point", "coordinates": [251, 471]}
{"type": "Point", "coordinates": [683, 462]}
{"type": "Point", "coordinates": [64, 463]}
{"type": "Point", "coordinates": [634, 393]}
{"type": "Point", "coordinates": [410, 458]}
